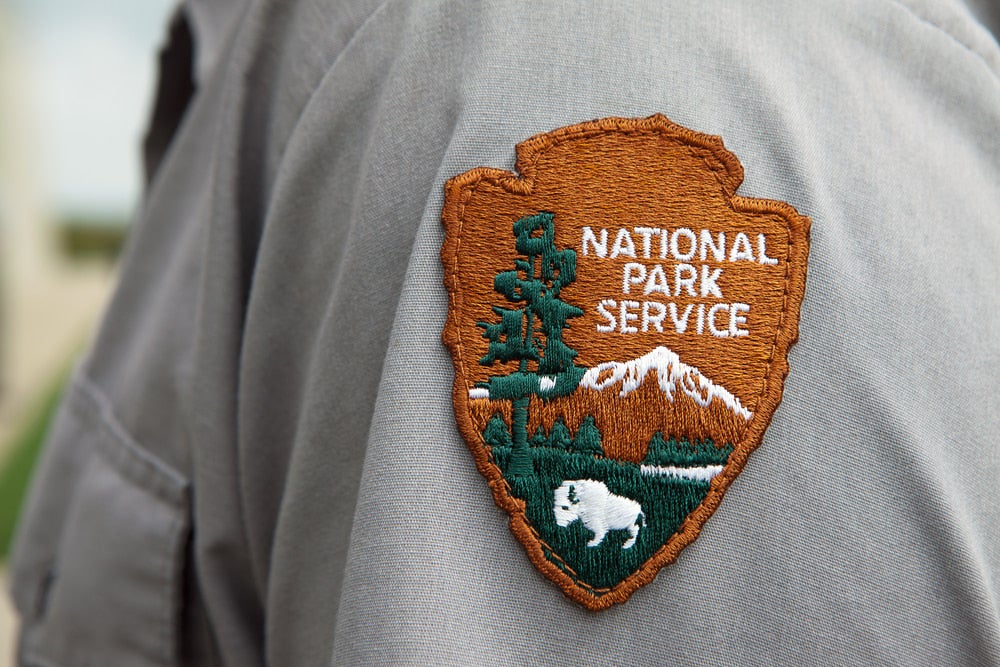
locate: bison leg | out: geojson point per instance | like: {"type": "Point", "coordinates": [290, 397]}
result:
{"type": "Point", "coordinates": [599, 533]}
{"type": "Point", "coordinates": [633, 530]}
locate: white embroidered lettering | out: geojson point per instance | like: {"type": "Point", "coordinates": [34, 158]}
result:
{"type": "Point", "coordinates": [722, 320]}
{"type": "Point", "coordinates": [602, 310]}
{"type": "Point", "coordinates": [715, 331]}
{"type": "Point", "coordinates": [680, 323]}
{"type": "Point", "coordinates": [718, 251]}
{"type": "Point", "coordinates": [741, 248]}
{"type": "Point", "coordinates": [600, 247]}
{"type": "Point", "coordinates": [657, 281]}
{"type": "Point", "coordinates": [687, 281]}
{"type": "Point", "coordinates": [692, 244]}
{"type": "Point", "coordinates": [735, 319]}
{"type": "Point", "coordinates": [646, 233]}
{"type": "Point", "coordinates": [626, 316]}
{"type": "Point", "coordinates": [655, 320]}
{"type": "Point", "coordinates": [623, 245]}
{"type": "Point", "coordinates": [627, 278]}
{"type": "Point", "coordinates": [762, 251]}
{"type": "Point", "coordinates": [708, 282]}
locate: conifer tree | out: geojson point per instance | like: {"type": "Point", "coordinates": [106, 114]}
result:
{"type": "Point", "coordinates": [496, 433]}
{"type": "Point", "coordinates": [588, 438]}
{"type": "Point", "coordinates": [661, 451]}
{"type": "Point", "coordinates": [683, 452]}
{"type": "Point", "coordinates": [531, 332]}
{"type": "Point", "coordinates": [539, 439]}
{"type": "Point", "coordinates": [560, 436]}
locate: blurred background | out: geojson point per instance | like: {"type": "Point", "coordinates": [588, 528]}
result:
{"type": "Point", "coordinates": [76, 86]}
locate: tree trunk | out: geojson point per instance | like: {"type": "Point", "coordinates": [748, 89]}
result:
{"type": "Point", "coordinates": [520, 454]}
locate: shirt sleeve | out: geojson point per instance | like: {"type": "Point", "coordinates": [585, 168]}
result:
{"type": "Point", "coordinates": [276, 341]}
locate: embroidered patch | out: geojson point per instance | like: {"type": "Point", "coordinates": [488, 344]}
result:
{"type": "Point", "coordinates": [619, 322]}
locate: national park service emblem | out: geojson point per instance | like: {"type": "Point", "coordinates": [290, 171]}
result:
{"type": "Point", "coordinates": [619, 322]}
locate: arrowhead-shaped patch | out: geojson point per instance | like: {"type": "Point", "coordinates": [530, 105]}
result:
{"type": "Point", "coordinates": [619, 322]}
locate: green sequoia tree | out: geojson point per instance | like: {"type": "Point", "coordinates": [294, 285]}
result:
{"type": "Point", "coordinates": [531, 332]}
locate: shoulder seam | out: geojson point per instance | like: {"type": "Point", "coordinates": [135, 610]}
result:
{"type": "Point", "coordinates": [989, 58]}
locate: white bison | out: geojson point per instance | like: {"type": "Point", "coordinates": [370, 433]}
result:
{"type": "Point", "coordinates": [598, 509]}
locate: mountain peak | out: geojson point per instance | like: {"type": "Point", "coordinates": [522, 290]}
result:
{"type": "Point", "coordinates": [672, 374]}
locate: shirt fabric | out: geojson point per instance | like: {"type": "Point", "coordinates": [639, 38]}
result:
{"type": "Point", "coordinates": [258, 463]}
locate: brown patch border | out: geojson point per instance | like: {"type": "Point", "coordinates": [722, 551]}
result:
{"type": "Point", "coordinates": [460, 189]}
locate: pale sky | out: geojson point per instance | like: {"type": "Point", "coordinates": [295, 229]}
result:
{"type": "Point", "coordinates": [89, 71]}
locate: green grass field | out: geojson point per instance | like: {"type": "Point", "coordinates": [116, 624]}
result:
{"type": "Point", "coordinates": [666, 502]}
{"type": "Point", "coordinates": [17, 466]}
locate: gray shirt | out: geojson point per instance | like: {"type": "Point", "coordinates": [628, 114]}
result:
{"type": "Point", "coordinates": [258, 462]}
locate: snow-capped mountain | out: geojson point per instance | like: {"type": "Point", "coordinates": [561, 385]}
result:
{"type": "Point", "coordinates": [672, 374]}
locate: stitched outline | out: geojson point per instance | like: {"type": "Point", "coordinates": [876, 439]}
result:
{"type": "Point", "coordinates": [118, 452]}
{"type": "Point", "coordinates": [460, 190]}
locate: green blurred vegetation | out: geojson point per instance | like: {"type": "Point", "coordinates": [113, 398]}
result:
{"type": "Point", "coordinates": [86, 237]}
{"type": "Point", "coordinates": [19, 462]}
